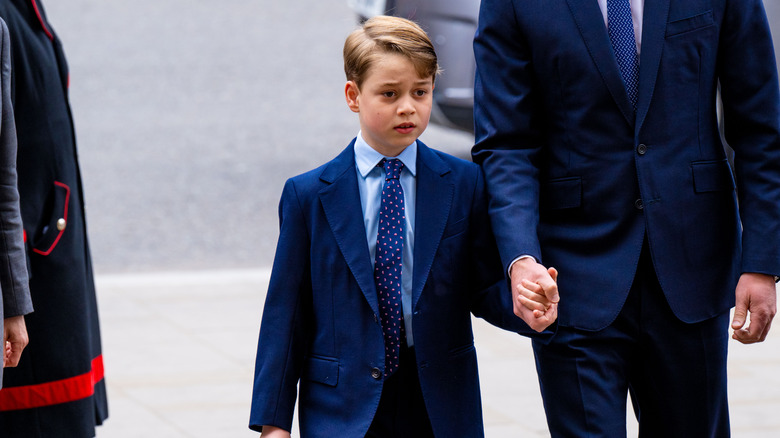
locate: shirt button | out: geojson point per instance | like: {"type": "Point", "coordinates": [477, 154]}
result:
{"type": "Point", "coordinates": [639, 204]}
{"type": "Point", "coordinates": [641, 149]}
{"type": "Point", "coordinates": [376, 373]}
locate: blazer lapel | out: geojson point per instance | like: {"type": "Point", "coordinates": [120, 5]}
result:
{"type": "Point", "coordinates": [590, 22]}
{"type": "Point", "coordinates": [654, 21]}
{"type": "Point", "coordinates": [435, 190]}
{"type": "Point", "coordinates": [341, 203]}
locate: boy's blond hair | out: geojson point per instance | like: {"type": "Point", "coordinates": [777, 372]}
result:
{"type": "Point", "coordinates": [382, 35]}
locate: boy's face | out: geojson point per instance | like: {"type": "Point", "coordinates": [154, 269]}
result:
{"type": "Point", "coordinates": [393, 104]}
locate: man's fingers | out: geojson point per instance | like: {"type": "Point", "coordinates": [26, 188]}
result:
{"type": "Point", "coordinates": [740, 315]}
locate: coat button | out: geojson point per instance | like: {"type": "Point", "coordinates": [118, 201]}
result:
{"type": "Point", "coordinates": [376, 373]}
{"type": "Point", "coordinates": [641, 149]}
{"type": "Point", "coordinates": [639, 204]}
{"type": "Point", "coordinates": [61, 223]}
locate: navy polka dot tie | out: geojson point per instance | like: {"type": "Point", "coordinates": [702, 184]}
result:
{"type": "Point", "coordinates": [387, 267]}
{"type": "Point", "coordinates": [621, 32]}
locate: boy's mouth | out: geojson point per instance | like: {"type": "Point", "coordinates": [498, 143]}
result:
{"type": "Point", "coordinates": [405, 128]}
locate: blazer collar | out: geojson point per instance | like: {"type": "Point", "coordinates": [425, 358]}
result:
{"type": "Point", "coordinates": [435, 190]}
{"type": "Point", "coordinates": [341, 202]}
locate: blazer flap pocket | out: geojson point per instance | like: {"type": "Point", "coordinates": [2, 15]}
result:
{"type": "Point", "coordinates": [689, 24]}
{"type": "Point", "coordinates": [52, 231]}
{"type": "Point", "coordinates": [322, 370]}
{"type": "Point", "coordinates": [712, 176]}
{"type": "Point", "coordinates": [561, 193]}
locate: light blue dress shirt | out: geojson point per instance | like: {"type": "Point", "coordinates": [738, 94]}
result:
{"type": "Point", "coordinates": [371, 179]}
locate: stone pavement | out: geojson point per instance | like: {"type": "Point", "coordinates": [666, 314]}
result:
{"type": "Point", "coordinates": [179, 355]}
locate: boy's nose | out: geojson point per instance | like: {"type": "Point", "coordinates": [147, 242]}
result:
{"type": "Point", "coordinates": [406, 107]}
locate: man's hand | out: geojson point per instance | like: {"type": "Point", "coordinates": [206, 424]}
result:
{"type": "Point", "coordinates": [757, 296]}
{"type": "Point", "coordinates": [534, 293]}
{"type": "Point", "coordinates": [14, 340]}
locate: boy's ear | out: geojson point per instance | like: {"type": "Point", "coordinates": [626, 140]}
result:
{"type": "Point", "coordinates": [352, 93]}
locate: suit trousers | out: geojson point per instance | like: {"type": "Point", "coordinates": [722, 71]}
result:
{"type": "Point", "coordinates": [674, 372]}
{"type": "Point", "coordinates": [401, 411]}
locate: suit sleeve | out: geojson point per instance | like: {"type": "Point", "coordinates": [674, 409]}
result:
{"type": "Point", "coordinates": [284, 329]}
{"type": "Point", "coordinates": [13, 265]}
{"type": "Point", "coordinates": [492, 299]}
{"type": "Point", "coordinates": [508, 141]}
{"type": "Point", "coordinates": [751, 103]}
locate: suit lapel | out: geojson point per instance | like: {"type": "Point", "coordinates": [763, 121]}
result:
{"type": "Point", "coordinates": [434, 200]}
{"type": "Point", "coordinates": [341, 203]}
{"type": "Point", "coordinates": [590, 22]}
{"type": "Point", "coordinates": [656, 14]}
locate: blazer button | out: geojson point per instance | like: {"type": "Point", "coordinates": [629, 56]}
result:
{"type": "Point", "coordinates": [641, 149]}
{"type": "Point", "coordinates": [639, 204]}
{"type": "Point", "coordinates": [376, 373]}
{"type": "Point", "coordinates": [61, 223]}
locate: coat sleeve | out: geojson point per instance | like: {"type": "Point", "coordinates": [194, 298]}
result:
{"type": "Point", "coordinates": [508, 139]}
{"type": "Point", "coordinates": [13, 264]}
{"type": "Point", "coordinates": [492, 298]}
{"type": "Point", "coordinates": [751, 114]}
{"type": "Point", "coordinates": [284, 328]}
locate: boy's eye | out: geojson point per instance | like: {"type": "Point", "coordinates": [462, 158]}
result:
{"type": "Point", "coordinates": [421, 93]}
{"type": "Point", "coordinates": [388, 93]}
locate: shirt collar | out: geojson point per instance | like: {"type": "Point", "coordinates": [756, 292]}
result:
{"type": "Point", "coordinates": [366, 157]}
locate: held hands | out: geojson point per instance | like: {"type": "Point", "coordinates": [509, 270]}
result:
{"type": "Point", "coordinates": [534, 293]}
{"type": "Point", "coordinates": [14, 340]}
{"type": "Point", "coordinates": [756, 295]}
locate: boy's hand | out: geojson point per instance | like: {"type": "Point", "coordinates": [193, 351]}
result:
{"type": "Point", "coordinates": [535, 293]}
{"type": "Point", "coordinates": [757, 295]}
{"type": "Point", "coordinates": [274, 432]}
{"type": "Point", "coordinates": [14, 340]}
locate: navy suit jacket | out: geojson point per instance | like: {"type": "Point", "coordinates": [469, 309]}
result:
{"type": "Point", "coordinates": [320, 323]}
{"type": "Point", "coordinates": [579, 181]}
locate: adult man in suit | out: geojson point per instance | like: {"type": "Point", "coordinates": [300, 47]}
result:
{"type": "Point", "coordinates": [58, 388]}
{"type": "Point", "coordinates": [596, 127]}
{"type": "Point", "coordinates": [14, 287]}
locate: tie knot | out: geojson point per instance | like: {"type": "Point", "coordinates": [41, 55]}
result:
{"type": "Point", "coordinates": [392, 168]}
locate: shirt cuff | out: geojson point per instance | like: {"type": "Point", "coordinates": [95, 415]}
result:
{"type": "Point", "coordinates": [524, 256]}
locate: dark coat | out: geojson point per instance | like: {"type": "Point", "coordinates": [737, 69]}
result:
{"type": "Point", "coordinates": [64, 353]}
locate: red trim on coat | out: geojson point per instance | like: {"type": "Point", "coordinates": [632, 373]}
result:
{"type": "Point", "coordinates": [64, 216]}
{"type": "Point", "coordinates": [40, 18]}
{"type": "Point", "coordinates": [53, 393]}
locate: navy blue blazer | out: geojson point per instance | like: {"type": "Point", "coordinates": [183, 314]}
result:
{"type": "Point", "coordinates": [579, 181]}
{"type": "Point", "coordinates": [320, 323]}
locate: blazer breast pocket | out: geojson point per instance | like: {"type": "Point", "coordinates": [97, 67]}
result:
{"type": "Point", "coordinates": [57, 222]}
{"type": "Point", "coordinates": [690, 24]}
{"type": "Point", "coordinates": [455, 228]}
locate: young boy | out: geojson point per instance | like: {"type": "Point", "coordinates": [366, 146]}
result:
{"type": "Point", "coordinates": [383, 254]}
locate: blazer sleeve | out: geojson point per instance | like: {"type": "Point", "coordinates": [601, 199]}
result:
{"type": "Point", "coordinates": [492, 300]}
{"type": "Point", "coordinates": [13, 262]}
{"type": "Point", "coordinates": [508, 141]}
{"type": "Point", "coordinates": [284, 328]}
{"type": "Point", "coordinates": [751, 114]}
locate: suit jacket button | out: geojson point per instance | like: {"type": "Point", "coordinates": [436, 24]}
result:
{"type": "Point", "coordinates": [61, 223]}
{"type": "Point", "coordinates": [641, 149]}
{"type": "Point", "coordinates": [376, 373]}
{"type": "Point", "coordinates": [639, 204]}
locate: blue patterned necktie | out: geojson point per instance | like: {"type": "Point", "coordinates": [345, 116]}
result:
{"type": "Point", "coordinates": [388, 262]}
{"type": "Point", "coordinates": [621, 33]}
